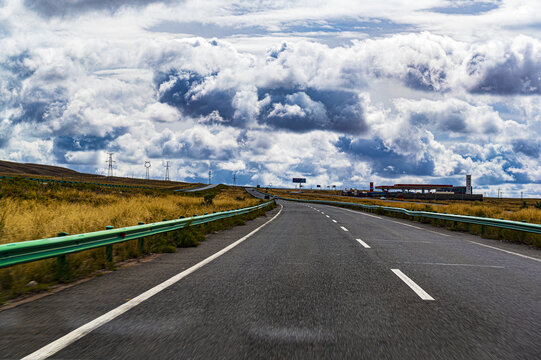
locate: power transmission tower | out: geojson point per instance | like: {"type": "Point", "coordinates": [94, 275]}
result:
{"type": "Point", "coordinates": [210, 175]}
{"type": "Point", "coordinates": [147, 166]}
{"type": "Point", "coordinates": [110, 162]}
{"type": "Point", "coordinates": [167, 171]}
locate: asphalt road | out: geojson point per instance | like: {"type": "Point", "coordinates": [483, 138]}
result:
{"type": "Point", "coordinates": [304, 286]}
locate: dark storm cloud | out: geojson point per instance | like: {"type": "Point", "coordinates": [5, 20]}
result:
{"type": "Point", "coordinates": [293, 109]}
{"type": "Point", "coordinates": [452, 122]}
{"type": "Point", "coordinates": [312, 109]}
{"type": "Point", "coordinates": [384, 161]}
{"type": "Point", "coordinates": [51, 8]}
{"type": "Point", "coordinates": [64, 144]}
{"type": "Point", "coordinates": [189, 149]}
{"type": "Point", "coordinates": [531, 148]}
{"type": "Point", "coordinates": [181, 93]}
{"type": "Point", "coordinates": [517, 75]}
{"type": "Point", "coordinates": [423, 77]}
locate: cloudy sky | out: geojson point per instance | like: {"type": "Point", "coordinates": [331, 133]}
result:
{"type": "Point", "coordinates": [339, 92]}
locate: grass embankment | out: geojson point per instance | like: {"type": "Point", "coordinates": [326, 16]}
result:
{"type": "Point", "coordinates": [113, 180]}
{"type": "Point", "coordinates": [508, 209]}
{"type": "Point", "coordinates": [30, 210]}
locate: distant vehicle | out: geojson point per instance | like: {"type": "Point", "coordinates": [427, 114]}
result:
{"type": "Point", "coordinates": [382, 198]}
{"type": "Point", "coordinates": [267, 196]}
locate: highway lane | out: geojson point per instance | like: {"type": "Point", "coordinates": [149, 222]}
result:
{"type": "Point", "coordinates": [305, 287]}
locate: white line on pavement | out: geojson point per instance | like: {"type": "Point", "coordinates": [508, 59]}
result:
{"type": "Point", "coordinates": [363, 243]}
{"type": "Point", "coordinates": [328, 216]}
{"type": "Point", "coordinates": [446, 264]}
{"type": "Point", "coordinates": [359, 212]}
{"type": "Point", "coordinates": [334, 221]}
{"type": "Point", "coordinates": [507, 251]}
{"type": "Point", "coordinates": [435, 232]}
{"type": "Point", "coordinates": [343, 228]}
{"type": "Point", "coordinates": [377, 217]}
{"type": "Point", "coordinates": [418, 290]}
{"type": "Point", "coordinates": [78, 333]}
{"type": "Point", "coordinates": [401, 223]}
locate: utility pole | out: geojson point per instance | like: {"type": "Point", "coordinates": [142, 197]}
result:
{"type": "Point", "coordinates": [210, 175]}
{"type": "Point", "coordinates": [110, 162]}
{"type": "Point", "coordinates": [167, 171]}
{"type": "Point", "coordinates": [235, 179]}
{"type": "Point", "coordinates": [147, 166]}
{"type": "Point", "coordinates": [498, 197]}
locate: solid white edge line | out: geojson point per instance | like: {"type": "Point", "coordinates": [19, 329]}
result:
{"type": "Point", "coordinates": [363, 243]}
{"type": "Point", "coordinates": [80, 332]}
{"type": "Point", "coordinates": [401, 223]}
{"type": "Point", "coordinates": [359, 212]}
{"type": "Point", "coordinates": [343, 228]}
{"type": "Point", "coordinates": [435, 232]}
{"type": "Point", "coordinates": [507, 251]}
{"type": "Point", "coordinates": [420, 292]}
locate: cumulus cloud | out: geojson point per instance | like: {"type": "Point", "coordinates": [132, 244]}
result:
{"type": "Point", "coordinates": [300, 108]}
{"type": "Point", "coordinates": [506, 68]}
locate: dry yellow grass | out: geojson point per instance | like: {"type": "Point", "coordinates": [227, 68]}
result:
{"type": "Point", "coordinates": [508, 209]}
{"type": "Point", "coordinates": [31, 211]}
{"type": "Point", "coordinates": [30, 219]}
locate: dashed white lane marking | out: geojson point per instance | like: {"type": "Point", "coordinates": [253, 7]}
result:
{"type": "Point", "coordinates": [418, 290]}
{"type": "Point", "coordinates": [377, 217]}
{"type": "Point", "coordinates": [64, 341]}
{"type": "Point", "coordinates": [507, 251]}
{"type": "Point", "coordinates": [446, 264]}
{"type": "Point", "coordinates": [343, 228]}
{"type": "Point", "coordinates": [328, 216]}
{"type": "Point", "coordinates": [334, 221]}
{"type": "Point", "coordinates": [363, 243]}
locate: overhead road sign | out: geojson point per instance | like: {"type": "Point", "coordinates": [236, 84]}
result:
{"type": "Point", "coordinates": [299, 180]}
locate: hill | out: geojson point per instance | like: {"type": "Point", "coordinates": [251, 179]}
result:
{"type": "Point", "coordinates": [9, 168]}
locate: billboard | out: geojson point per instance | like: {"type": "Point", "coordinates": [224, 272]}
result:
{"type": "Point", "coordinates": [318, 186]}
{"type": "Point", "coordinates": [299, 180]}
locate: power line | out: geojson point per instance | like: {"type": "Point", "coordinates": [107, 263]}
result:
{"type": "Point", "coordinates": [167, 171]}
{"type": "Point", "coordinates": [110, 162]}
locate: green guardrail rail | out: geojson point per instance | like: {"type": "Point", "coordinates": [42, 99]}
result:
{"type": "Point", "coordinates": [499, 223]}
{"type": "Point", "coordinates": [60, 246]}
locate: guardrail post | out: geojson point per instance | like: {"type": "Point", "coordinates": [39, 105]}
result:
{"type": "Point", "coordinates": [141, 241]}
{"type": "Point", "coordinates": [109, 248]}
{"type": "Point", "coordinates": [61, 261]}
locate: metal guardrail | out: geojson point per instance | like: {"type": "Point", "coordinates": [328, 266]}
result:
{"type": "Point", "coordinates": [60, 246]}
{"type": "Point", "coordinates": [499, 223]}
